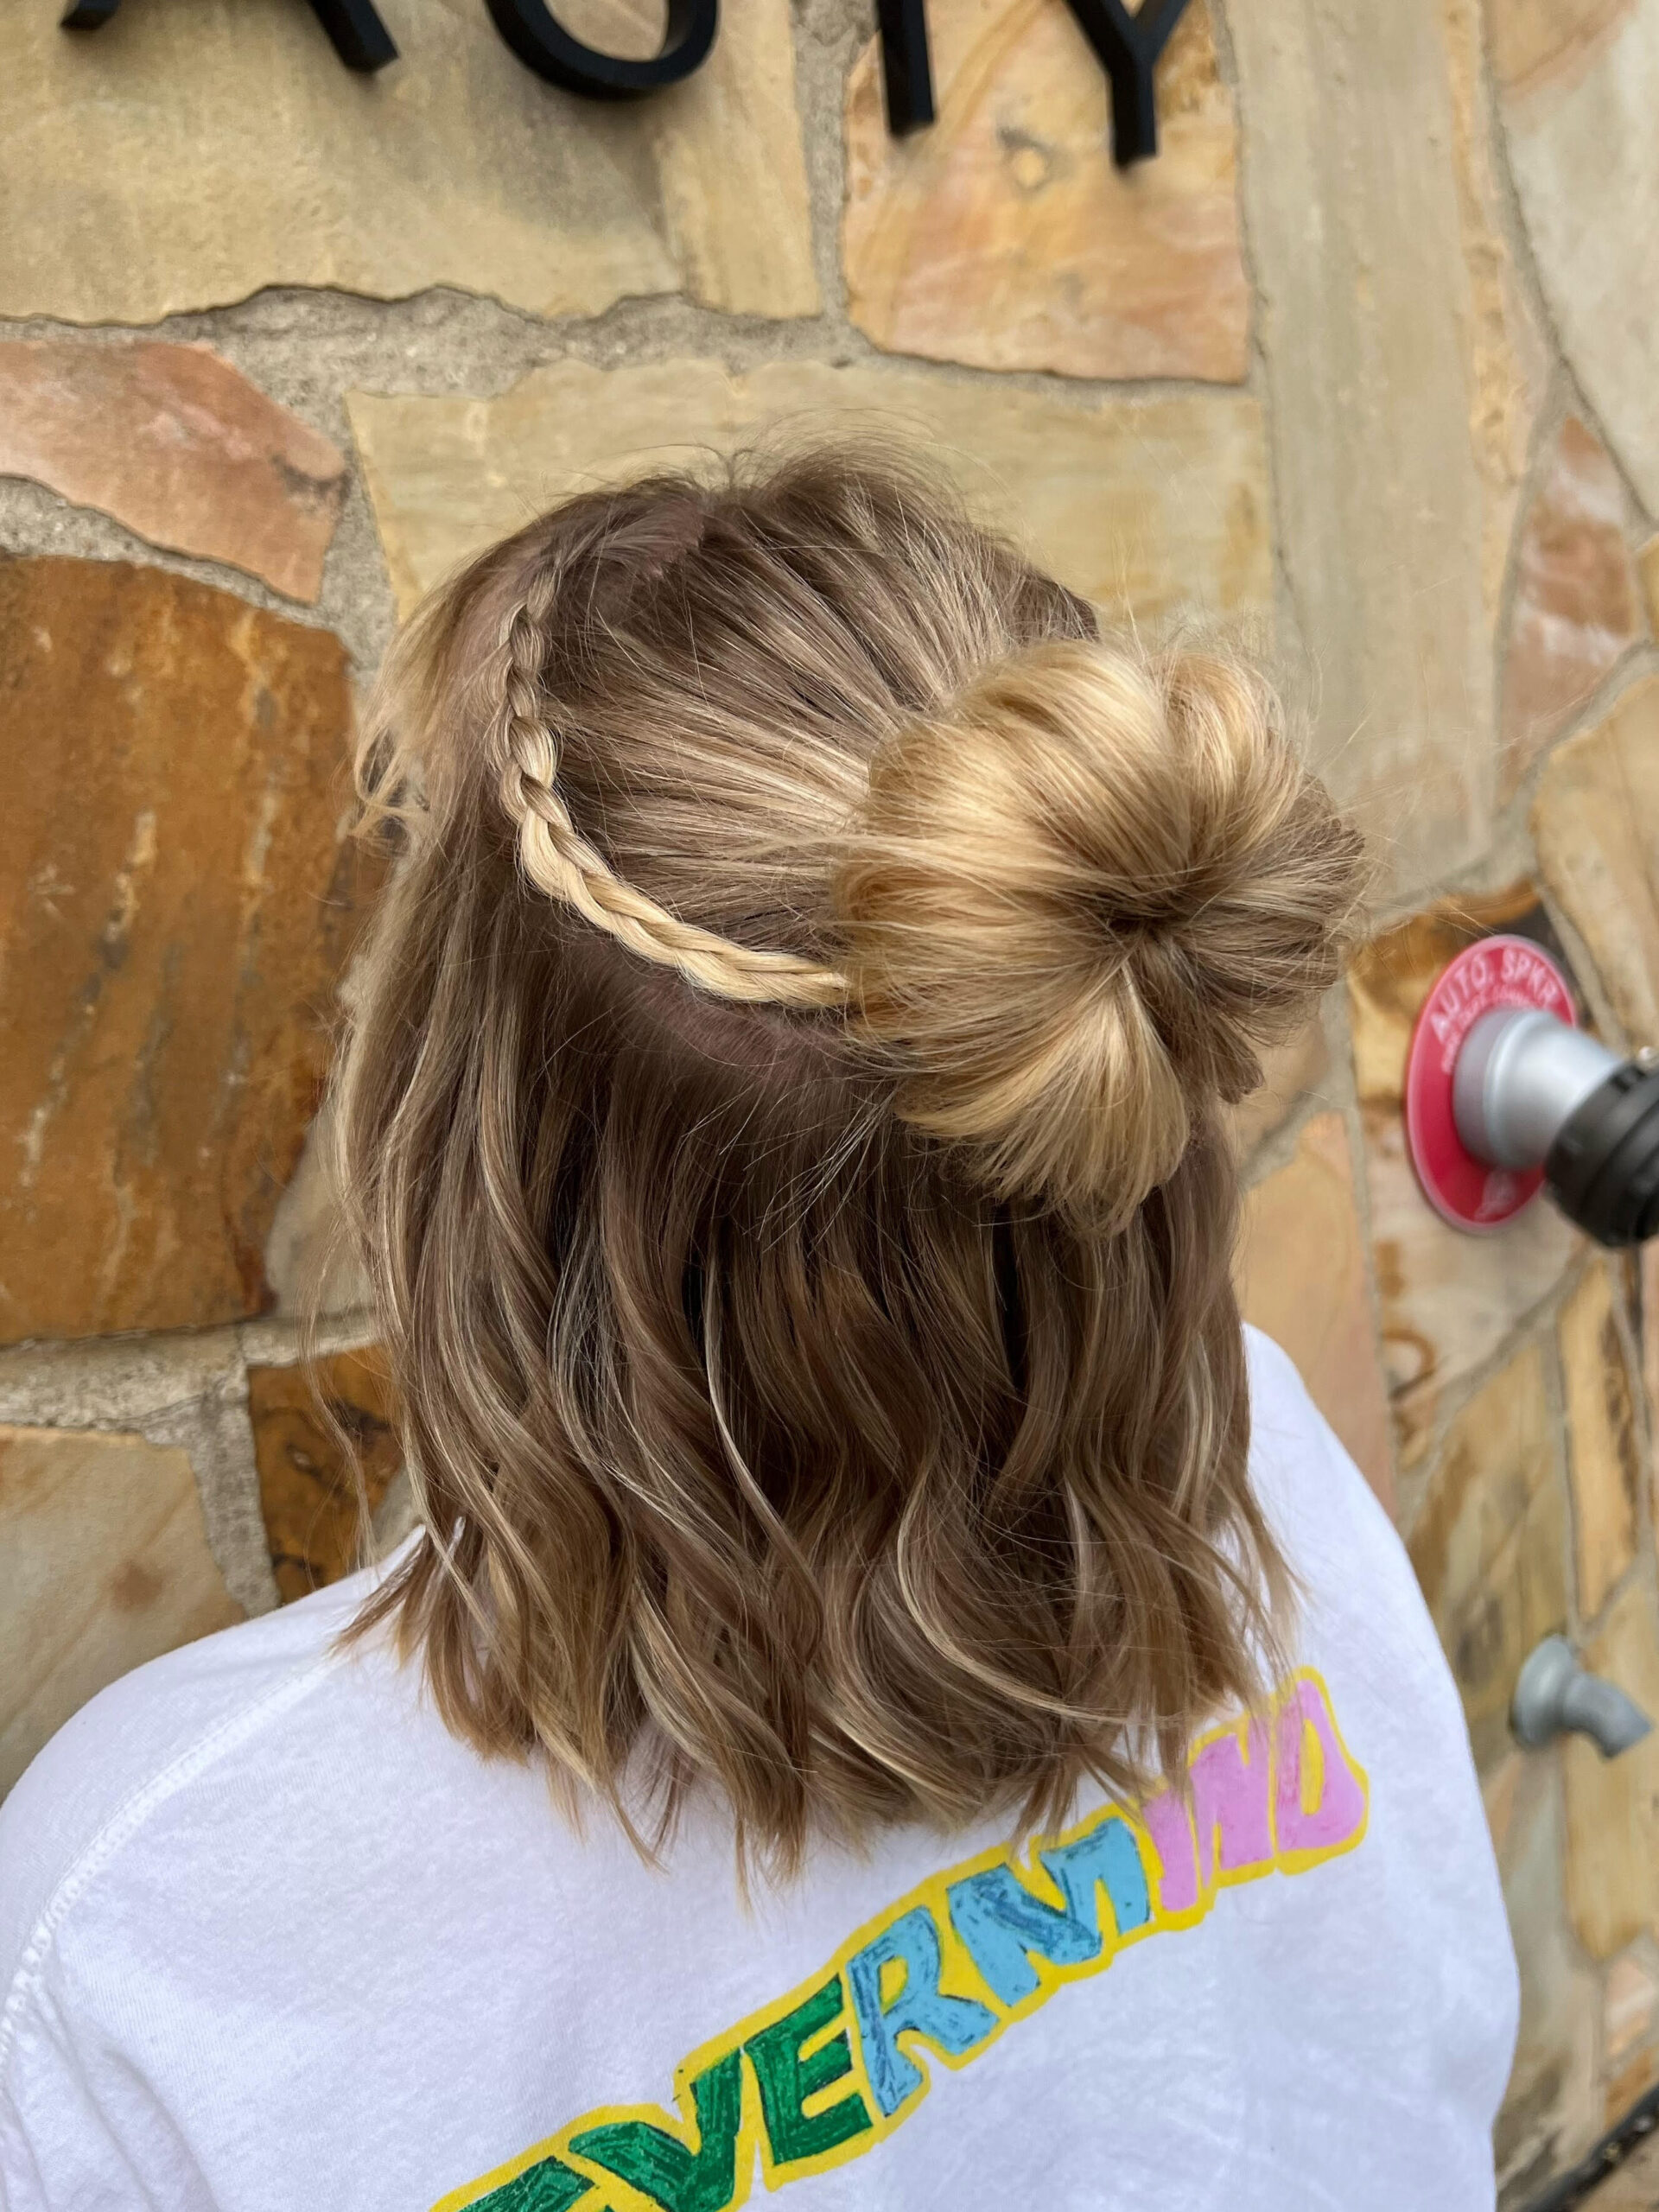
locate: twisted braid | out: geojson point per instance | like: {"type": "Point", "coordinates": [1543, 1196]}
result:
{"type": "Point", "coordinates": [560, 861]}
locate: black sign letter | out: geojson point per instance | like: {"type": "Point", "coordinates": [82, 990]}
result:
{"type": "Point", "coordinates": [360, 39]}
{"type": "Point", "coordinates": [905, 65]}
{"type": "Point", "coordinates": [542, 44]}
{"type": "Point", "coordinates": [1129, 46]}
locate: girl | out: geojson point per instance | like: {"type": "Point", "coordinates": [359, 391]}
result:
{"type": "Point", "coordinates": [997, 1752]}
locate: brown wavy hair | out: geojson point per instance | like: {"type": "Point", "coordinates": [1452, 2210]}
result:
{"type": "Point", "coordinates": [780, 1120]}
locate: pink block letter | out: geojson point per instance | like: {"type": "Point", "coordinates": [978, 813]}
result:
{"type": "Point", "coordinates": [1231, 1794]}
{"type": "Point", "coordinates": [1165, 1820]}
{"type": "Point", "coordinates": [1340, 1811]}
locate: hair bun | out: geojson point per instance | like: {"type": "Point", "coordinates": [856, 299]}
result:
{"type": "Point", "coordinates": [1079, 902]}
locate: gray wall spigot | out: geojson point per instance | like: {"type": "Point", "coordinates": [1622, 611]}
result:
{"type": "Point", "coordinates": [1555, 1696]}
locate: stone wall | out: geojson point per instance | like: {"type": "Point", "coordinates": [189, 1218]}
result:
{"type": "Point", "coordinates": [1361, 363]}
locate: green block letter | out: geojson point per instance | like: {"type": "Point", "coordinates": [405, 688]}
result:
{"type": "Point", "coordinates": [787, 2080]}
{"type": "Point", "coordinates": [658, 2165]}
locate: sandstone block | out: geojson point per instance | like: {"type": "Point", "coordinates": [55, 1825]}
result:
{"type": "Point", "coordinates": [1630, 1999]}
{"type": "Point", "coordinates": [104, 1563]}
{"type": "Point", "coordinates": [1551, 2114]}
{"type": "Point", "coordinates": [1005, 236]}
{"type": "Point", "coordinates": [1595, 823]}
{"type": "Point", "coordinates": [1488, 1544]}
{"type": "Point", "coordinates": [1509, 359]}
{"type": "Point", "coordinates": [179, 445]}
{"type": "Point", "coordinates": [175, 904]}
{"type": "Point", "coordinates": [1575, 611]}
{"type": "Point", "coordinates": [1613, 1805]}
{"type": "Point", "coordinates": [1537, 42]}
{"type": "Point", "coordinates": [197, 154]}
{"type": "Point", "coordinates": [1604, 1454]}
{"type": "Point", "coordinates": [1447, 1300]}
{"type": "Point", "coordinates": [1583, 87]}
{"type": "Point", "coordinates": [311, 1425]}
{"type": "Point", "coordinates": [1289, 1071]}
{"type": "Point", "coordinates": [1647, 562]}
{"type": "Point", "coordinates": [1351, 202]}
{"type": "Point", "coordinates": [1301, 1276]}
{"type": "Point", "coordinates": [1155, 505]}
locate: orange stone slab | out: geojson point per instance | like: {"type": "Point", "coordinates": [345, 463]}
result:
{"type": "Point", "coordinates": [176, 901]}
{"type": "Point", "coordinates": [179, 445]}
{"type": "Point", "coordinates": [1576, 610]}
{"type": "Point", "coordinates": [104, 1563]}
{"type": "Point", "coordinates": [1005, 237]}
{"type": "Point", "coordinates": [1301, 1278]}
{"type": "Point", "coordinates": [313, 1427]}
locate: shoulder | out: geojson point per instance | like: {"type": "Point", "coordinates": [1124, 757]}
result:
{"type": "Point", "coordinates": [156, 1733]}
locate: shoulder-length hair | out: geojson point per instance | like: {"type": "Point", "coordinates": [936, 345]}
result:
{"type": "Point", "coordinates": [779, 1118]}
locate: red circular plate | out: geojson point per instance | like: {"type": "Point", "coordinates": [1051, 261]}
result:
{"type": "Point", "coordinates": [1499, 971]}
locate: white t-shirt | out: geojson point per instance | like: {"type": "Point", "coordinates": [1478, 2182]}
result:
{"type": "Point", "coordinates": [272, 1941]}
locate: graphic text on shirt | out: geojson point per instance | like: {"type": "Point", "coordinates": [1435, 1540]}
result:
{"type": "Point", "coordinates": [821, 2076]}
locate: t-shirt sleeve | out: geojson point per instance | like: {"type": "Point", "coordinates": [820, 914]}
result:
{"type": "Point", "coordinates": [78, 2125]}
{"type": "Point", "coordinates": [58, 2151]}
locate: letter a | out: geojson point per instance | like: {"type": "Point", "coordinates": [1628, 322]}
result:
{"type": "Point", "coordinates": [359, 38]}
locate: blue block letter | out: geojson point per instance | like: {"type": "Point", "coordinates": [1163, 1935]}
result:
{"type": "Point", "coordinates": [955, 2024]}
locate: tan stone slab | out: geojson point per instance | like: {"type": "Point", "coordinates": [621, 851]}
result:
{"type": "Point", "coordinates": [1351, 205]}
{"type": "Point", "coordinates": [1006, 237]}
{"type": "Point", "coordinates": [1647, 564]}
{"type": "Point", "coordinates": [1585, 156]}
{"type": "Point", "coordinates": [1510, 356]}
{"type": "Point", "coordinates": [1289, 1072]}
{"type": "Point", "coordinates": [188, 157]}
{"type": "Point", "coordinates": [1489, 1543]}
{"type": "Point", "coordinates": [1153, 504]}
{"type": "Point", "coordinates": [1301, 1278]}
{"type": "Point", "coordinates": [175, 905]}
{"type": "Point", "coordinates": [179, 445]}
{"type": "Point", "coordinates": [1595, 823]}
{"type": "Point", "coordinates": [1613, 1805]}
{"type": "Point", "coordinates": [1551, 2113]}
{"type": "Point", "coordinates": [1603, 1454]}
{"type": "Point", "coordinates": [1447, 1300]}
{"type": "Point", "coordinates": [314, 1428]}
{"type": "Point", "coordinates": [1575, 610]}
{"type": "Point", "coordinates": [104, 1563]}
{"type": "Point", "coordinates": [1538, 42]}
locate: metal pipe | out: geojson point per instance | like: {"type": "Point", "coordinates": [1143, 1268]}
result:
{"type": "Point", "coordinates": [1555, 1695]}
{"type": "Point", "coordinates": [1520, 1078]}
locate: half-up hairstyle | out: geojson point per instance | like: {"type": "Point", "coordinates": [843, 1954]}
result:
{"type": "Point", "coordinates": [780, 1118]}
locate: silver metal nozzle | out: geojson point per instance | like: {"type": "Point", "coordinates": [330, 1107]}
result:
{"type": "Point", "coordinates": [1555, 1696]}
{"type": "Point", "coordinates": [1520, 1077]}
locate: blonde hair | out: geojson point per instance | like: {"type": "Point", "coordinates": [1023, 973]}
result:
{"type": "Point", "coordinates": [780, 1120]}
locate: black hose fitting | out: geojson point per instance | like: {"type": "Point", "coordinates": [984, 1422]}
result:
{"type": "Point", "coordinates": [1603, 1169]}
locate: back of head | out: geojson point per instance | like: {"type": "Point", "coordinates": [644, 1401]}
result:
{"type": "Point", "coordinates": [780, 1119]}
